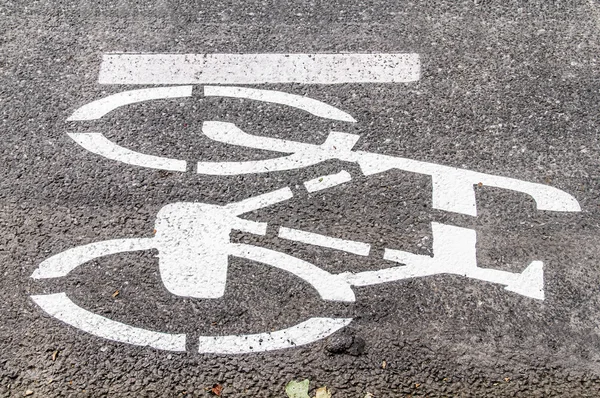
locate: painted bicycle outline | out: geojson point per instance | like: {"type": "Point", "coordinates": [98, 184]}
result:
{"type": "Point", "coordinates": [453, 247]}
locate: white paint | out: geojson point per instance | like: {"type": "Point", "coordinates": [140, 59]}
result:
{"type": "Point", "coordinates": [259, 201]}
{"type": "Point", "coordinates": [454, 253]}
{"type": "Point", "coordinates": [61, 264]}
{"type": "Point", "coordinates": [229, 133]}
{"type": "Point", "coordinates": [61, 307]}
{"type": "Point", "coordinates": [97, 109]}
{"type": "Point", "coordinates": [310, 238]}
{"type": "Point", "coordinates": [100, 145]}
{"type": "Point", "coordinates": [193, 238]}
{"type": "Point", "coordinates": [530, 282]}
{"type": "Point", "coordinates": [303, 155]}
{"type": "Point", "coordinates": [309, 105]}
{"type": "Point", "coordinates": [327, 181]}
{"type": "Point", "coordinates": [330, 287]}
{"type": "Point", "coordinates": [258, 68]}
{"type": "Point", "coordinates": [304, 333]}
{"type": "Point", "coordinates": [193, 242]}
{"type": "Point", "coordinates": [453, 188]}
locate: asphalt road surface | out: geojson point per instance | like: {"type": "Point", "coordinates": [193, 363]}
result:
{"type": "Point", "coordinates": [503, 88]}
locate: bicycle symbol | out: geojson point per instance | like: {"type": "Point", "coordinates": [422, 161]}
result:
{"type": "Point", "coordinates": [193, 242]}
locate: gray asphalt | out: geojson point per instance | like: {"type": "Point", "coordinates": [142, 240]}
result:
{"type": "Point", "coordinates": [508, 87]}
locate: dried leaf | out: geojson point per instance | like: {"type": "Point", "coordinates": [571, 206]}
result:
{"type": "Point", "coordinates": [417, 385]}
{"type": "Point", "coordinates": [480, 184]}
{"type": "Point", "coordinates": [115, 294]}
{"type": "Point", "coordinates": [54, 355]}
{"type": "Point", "coordinates": [28, 393]}
{"type": "Point", "coordinates": [323, 392]}
{"type": "Point", "coordinates": [369, 395]}
{"type": "Point", "coordinates": [507, 379]}
{"type": "Point", "coordinates": [217, 389]}
{"type": "Point", "coordinates": [297, 389]}
{"type": "Point", "coordinates": [383, 365]}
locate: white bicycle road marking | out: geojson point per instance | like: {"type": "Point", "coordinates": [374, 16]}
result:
{"type": "Point", "coordinates": [327, 181]}
{"type": "Point", "coordinates": [307, 104]}
{"type": "Point", "coordinates": [97, 109]}
{"type": "Point", "coordinates": [61, 307]}
{"type": "Point", "coordinates": [303, 333]}
{"type": "Point", "coordinates": [311, 238]}
{"type": "Point", "coordinates": [99, 144]}
{"type": "Point", "coordinates": [126, 68]}
{"type": "Point", "coordinates": [193, 239]}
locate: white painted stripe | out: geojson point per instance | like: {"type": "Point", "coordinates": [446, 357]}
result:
{"type": "Point", "coordinates": [99, 108]}
{"type": "Point", "coordinates": [62, 308]}
{"type": "Point", "coordinates": [62, 263]}
{"type": "Point", "coordinates": [309, 105]}
{"type": "Point", "coordinates": [100, 145]}
{"type": "Point", "coordinates": [258, 68]}
{"type": "Point", "coordinates": [304, 333]}
{"type": "Point", "coordinates": [259, 201]}
{"type": "Point", "coordinates": [327, 181]}
{"type": "Point", "coordinates": [310, 238]}
{"type": "Point", "coordinates": [546, 197]}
